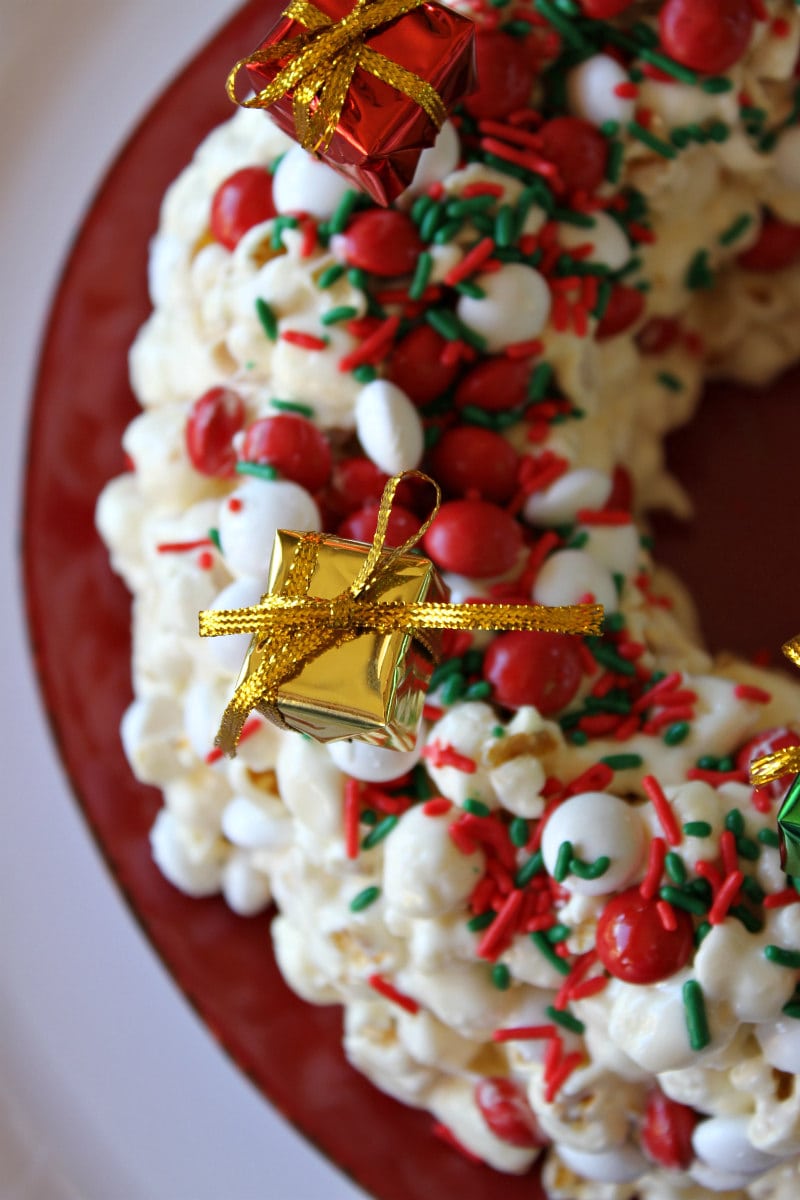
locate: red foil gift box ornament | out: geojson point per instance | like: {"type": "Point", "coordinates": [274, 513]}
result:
{"type": "Point", "coordinates": [366, 88]}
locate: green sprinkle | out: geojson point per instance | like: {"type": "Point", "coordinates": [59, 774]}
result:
{"type": "Point", "coordinates": [267, 318]}
{"type": "Point", "coordinates": [563, 860]}
{"type": "Point", "coordinates": [695, 1011]}
{"type": "Point", "coordinates": [699, 275]}
{"type": "Point", "coordinates": [783, 958]}
{"type": "Point", "coordinates": [603, 298]}
{"type": "Point", "coordinates": [613, 622]}
{"type": "Point", "coordinates": [616, 153]}
{"type": "Point", "coordinates": [444, 322]}
{"type": "Point", "coordinates": [792, 1010]}
{"type": "Point", "coordinates": [543, 946]}
{"type": "Point", "coordinates": [578, 737]}
{"type": "Point", "coordinates": [518, 831]}
{"type": "Point", "coordinates": [557, 933]}
{"type": "Point", "coordinates": [565, 1019]}
{"type": "Point", "coordinates": [751, 922]}
{"type": "Point", "coordinates": [533, 866]}
{"type": "Point", "coordinates": [501, 977]}
{"type": "Point", "coordinates": [477, 807]}
{"type": "Point", "coordinates": [734, 231]}
{"type": "Point", "coordinates": [365, 373]}
{"type": "Point", "coordinates": [278, 226]}
{"type": "Point", "coordinates": [676, 868]}
{"type": "Point", "coordinates": [539, 383]}
{"type": "Point", "coordinates": [505, 226]}
{"type": "Point", "coordinates": [498, 731]}
{"type": "Point", "coordinates": [718, 131]}
{"type": "Point", "coordinates": [258, 470]}
{"type": "Point", "coordinates": [747, 848]}
{"type": "Point", "coordinates": [445, 670]}
{"type": "Point", "coordinates": [670, 381]}
{"type": "Point", "coordinates": [344, 312]}
{"type": "Point", "coordinates": [357, 278]}
{"type": "Point", "coordinates": [677, 70]}
{"type": "Point", "coordinates": [422, 786]}
{"type": "Point", "coordinates": [453, 689]}
{"type": "Point", "coordinates": [564, 25]}
{"type": "Point", "coordinates": [344, 210]}
{"type": "Point", "coordinates": [364, 899]}
{"type": "Point", "coordinates": [607, 657]}
{"type": "Point", "coordinates": [482, 921]}
{"type": "Point", "coordinates": [609, 129]}
{"type": "Point", "coordinates": [622, 762]}
{"type": "Point", "coordinates": [677, 733]}
{"type": "Point", "coordinates": [684, 900]}
{"type": "Point", "coordinates": [716, 84]}
{"type": "Point", "coordinates": [430, 222]}
{"type": "Point", "coordinates": [768, 837]}
{"type": "Point", "coordinates": [446, 233]}
{"type": "Point", "coordinates": [591, 870]}
{"type": "Point", "coordinates": [468, 288]}
{"type": "Point", "coordinates": [381, 830]}
{"type": "Point", "coordinates": [753, 889]}
{"type": "Point", "coordinates": [293, 406]}
{"type": "Point", "coordinates": [330, 275]}
{"type": "Point", "coordinates": [213, 535]}
{"type": "Point", "coordinates": [478, 690]}
{"type": "Point", "coordinates": [368, 815]}
{"type": "Point", "coordinates": [422, 274]}
{"type": "Point", "coordinates": [517, 28]}
{"type": "Point", "coordinates": [650, 140]}
{"type": "Point", "coordinates": [470, 206]}
{"type": "Point", "coordinates": [420, 207]}
{"type": "Point", "coordinates": [734, 821]}
{"type": "Point", "coordinates": [700, 829]}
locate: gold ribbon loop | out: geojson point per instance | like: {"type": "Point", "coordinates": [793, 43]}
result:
{"type": "Point", "coordinates": [322, 62]}
{"type": "Point", "coordinates": [294, 628]}
{"type": "Point", "coordinates": [780, 762]}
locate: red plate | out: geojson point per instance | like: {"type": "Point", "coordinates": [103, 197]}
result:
{"type": "Point", "coordinates": [736, 455]}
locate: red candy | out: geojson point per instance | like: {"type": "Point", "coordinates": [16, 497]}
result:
{"type": "Point", "coordinates": [602, 9]}
{"type": "Point", "coordinates": [382, 241]}
{"type": "Point", "coordinates": [474, 538]}
{"type": "Point", "coordinates": [505, 75]}
{"type": "Point", "coordinates": [633, 944]}
{"type": "Point", "coordinates": [293, 446]}
{"type": "Point", "coordinates": [657, 335]}
{"type": "Point", "coordinates": [707, 35]}
{"type": "Point", "coordinates": [667, 1131]}
{"type": "Point", "coordinates": [542, 669]}
{"type": "Point", "coordinates": [213, 420]}
{"type": "Point", "coordinates": [358, 480]}
{"type": "Point", "coordinates": [243, 200]}
{"type": "Point", "coordinates": [621, 498]}
{"type": "Point", "coordinates": [416, 365]}
{"type": "Point", "coordinates": [468, 458]}
{"type": "Point", "coordinates": [765, 743]}
{"type": "Point", "coordinates": [505, 1110]}
{"type": "Point", "coordinates": [360, 526]}
{"type": "Point", "coordinates": [625, 306]}
{"type": "Point", "coordinates": [496, 385]}
{"type": "Point", "coordinates": [578, 151]}
{"type": "Point", "coordinates": [778, 246]}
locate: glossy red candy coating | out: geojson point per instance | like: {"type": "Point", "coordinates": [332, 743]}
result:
{"type": "Point", "coordinates": [360, 526]}
{"type": "Point", "coordinates": [633, 944]}
{"type": "Point", "coordinates": [468, 458]}
{"type": "Point", "coordinates": [621, 497]}
{"type": "Point", "coordinates": [241, 201]}
{"type": "Point", "coordinates": [779, 738]}
{"type": "Point", "coordinates": [707, 35]}
{"type": "Point", "coordinates": [526, 667]}
{"type": "Point", "coordinates": [291, 444]}
{"type": "Point", "coordinates": [625, 307]}
{"type": "Point", "coordinates": [474, 538]}
{"type": "Point", "coordinates": [602, 9]}
{"type": "Point", "coordinates": [383, 241]}
{"type": "Point", "coordinates": [506, 1111]}
{"type": "Point", "coordinates": [213, 420]}
{"type": "Point", "coordinates": [777, 247]}
{"type": "Point", "coordinates": [505, 75]}
{"type": "Point", "coordinates": [495, 385]}
{"type": "Point", "coordinates": [357, 481]}
{"type": "Point", "coordinates": [666, 1134]}
{"type": "Point", "coordinates": [416, 366]}
{"type": "Point", "coordinates": [577, 149]}
{"type": "Point", "coordinates": [657, 335]}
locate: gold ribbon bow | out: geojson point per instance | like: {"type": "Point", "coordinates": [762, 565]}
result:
{"type": "Point", "coordinates": [322, 64]}
{"type": "Point", "coordinates": [780, 762]}
{"type": "Point", "coordinates": [294, 627]}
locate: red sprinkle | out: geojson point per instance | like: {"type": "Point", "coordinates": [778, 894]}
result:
{"type": "Point", "coordinates": [390, 992]}
{"type": "Point", "coordinates": [437, 806]}
{"type": "Point", "coordinates": [352, 804]}
{"type": "Point", "coordinates": [374, 347]}
{"type": "Point", "coordinates": [748, 691]}
{"type": "Point", "coordinates": [592, 516]}
{"type": "Point", "coordinates": [496, 936]}
{"type": "Point", "coordinates": [725, 898]}
{"type": "Point", "coordinates": [476, 257]}
{"type": "Point", "coordinates": [655, 869]}
{"type": "Point", "coordinates": [716, 778]}
{"type": "Point", "coordinates": [667, 915]}
{"type": "Point", "coordinates": [727, 847]}
{"type": "Point", "coordinates": [561, 1075]}
{"type": "Point", "coordinates": [589, 987]}
{"type": "Point", "coordinates": [666, 817]}
{"type": "Point", "coordinates": [521, 1033]}
{"type": "Point", "coordinates": [440, 754]}
{"type": "Point", "coordinates": [306, 341]}
{"type": "Point", "coordinates": [180, 547]}
{"type": "Point", "coordinates": [782, 898]}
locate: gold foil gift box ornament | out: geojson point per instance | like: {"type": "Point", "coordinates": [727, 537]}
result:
{"type": "Point", "coordinates": [776, 766]}
{"type": "Point", "coordinates": [345, 639]}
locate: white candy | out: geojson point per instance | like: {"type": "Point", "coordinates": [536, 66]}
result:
{"type": "Point", "coordinates": [780, 1044]}
{"type": "Point", "coordinates": [787, 157]}
{"type": "Point", "coordinates": [229, 651]}
{"type": "Point", "coordinates": [203, 705]}
{"type": "Point", "coordinates": [583, 487]}
{"type": "Point", "coordinates": [303, 184]}
{"type": "Point", "coordinates": [249, 826]}
{"type": "Point", "coordinates": [424, 874]}
{"type": "Point", "coordinates": [617, 547]}
{"type": "Point", "coordinates": [151, 731]}
{"type": "Point", "coordinates": [611, 246]}
{"type": "Point", "coordinates": [373, 764]}
{"type": "Point", "coordinates": [189, 864]}
{"type": "Point", "coordinates": [722, 1143]}
{"type": "Point", "coordinates": [597, 824]}
{"type": "Point", "coordinates": [620, 1164]}
{"type": "Point", "coordinates": [388, 427]}
{"type": "Point", "coordinates": [515, 307]}
{"type": "Point", "coordinates": [438, 161]}
{"type": "Point", "coordinates": [590, 91]}
{"type": "Point", "coordinates": [568, 575]}
{"type": "Point", "coordinates": [261, 507]}
{"type": "Point", "coordinates": [245, 889]}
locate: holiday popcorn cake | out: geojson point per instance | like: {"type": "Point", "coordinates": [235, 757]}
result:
{"type": "Point", "coordinates": [560, 922]}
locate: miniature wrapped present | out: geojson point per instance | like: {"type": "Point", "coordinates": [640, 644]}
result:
{"type": "Point", "coordinates": [345, 639]}
{"type": "Point", "coordinates": [366, 88]}
{"type": "Point", "coordinates": [776, 766]}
